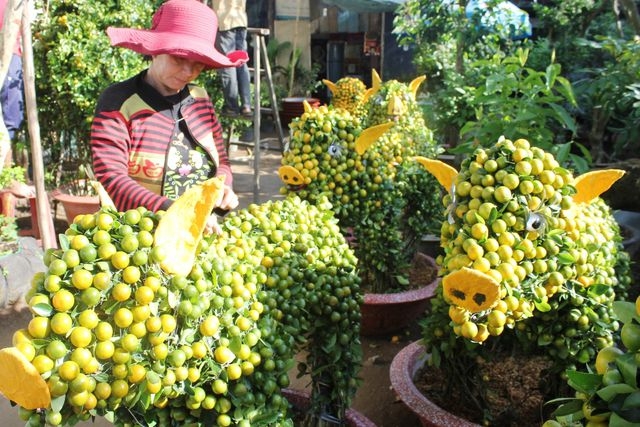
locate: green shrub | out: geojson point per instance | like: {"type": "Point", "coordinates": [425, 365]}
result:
{"type": "Point", "coordinates": [12, 174]}
{"type": "Point", "coordinates": [512, 99]}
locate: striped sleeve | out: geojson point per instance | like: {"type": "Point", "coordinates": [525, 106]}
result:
{"type": "Point", "coordinates": [110, 144]}
{"type": "Point", "coordinates": [224, 166]}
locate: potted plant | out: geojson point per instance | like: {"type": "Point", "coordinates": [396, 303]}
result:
{"type": "Point", "coordinates": [8, 177]}
{"type": "Point", "coordinates": [293, 82]}
{"type": "Point", "coordinates": [528, 283]}
{"type": "Point", "coordinates": [67, 43]}
{"type": "Point", "coordinates": [379, 195]}
{"type": "Point", "coordinates": [78, 195]}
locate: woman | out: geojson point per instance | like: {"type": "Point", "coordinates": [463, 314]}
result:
{"type": "Point", "coordinates": [155, 135]}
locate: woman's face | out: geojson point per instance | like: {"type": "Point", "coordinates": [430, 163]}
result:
{"type": "Point", "coordinates": [169, 74]}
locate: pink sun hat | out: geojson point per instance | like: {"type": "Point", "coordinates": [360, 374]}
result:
{"type": "Point", "coordinates": [184, 28]}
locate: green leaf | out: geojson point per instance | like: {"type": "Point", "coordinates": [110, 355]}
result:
{"type": "Point", "coordinates": [625, 311]}
{"type": "Point", "coordinates": [598, 289]}
{"type": "Point", "coordinates": [566, 90]}
{"type": "Point", "coordinates": [542, 306]}
{"type": "Point", "coordinates": [633, 401]}
{"type": "Point", "coordinates": [628, 368]}
{"type": "Point", "coordinates": [565, 258]}
{"type": "Point", "coordinates": [64, 241]}
{"type": "Point", "coordinates": [617, 421]}
{"type": "Point", "coordinates": [574, 406]}
{"type": "Point", "coordinates": [42, 309]}
{"type": "Point", "coordinates": [402, 280]}
{"type": "Point", "coordinates": [551, 73]}
{"type": "Point", "coordinates": [609, 392]}
{"type": "Point", "coordinates": [57, 403]}
{"type": "Point", "coordinates": [584, 382]}
{"type": "Point", "coordinates": [564, 117]}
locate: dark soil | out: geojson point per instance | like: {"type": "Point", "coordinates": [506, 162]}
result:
{"type": "Point", "coordinates": [513, 391]}
{"type": "Point", "coordinates": [422, 272]}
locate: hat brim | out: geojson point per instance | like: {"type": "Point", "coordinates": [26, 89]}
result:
{"type": "Point", "coordinates": [148, 42]}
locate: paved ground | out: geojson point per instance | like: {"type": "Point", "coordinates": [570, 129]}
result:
{"type": "Point", "coordinates": [375, 399]}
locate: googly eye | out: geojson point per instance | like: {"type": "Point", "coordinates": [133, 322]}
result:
{"type": "Point", "coordinates": [535, 222]}
{"type": "Point", "coordinates": [334, 150]}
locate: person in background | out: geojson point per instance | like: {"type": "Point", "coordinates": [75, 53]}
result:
{"type": "Point", "coordinates": [155, 135]}
{"type": "Point", "coordinates": [12, 99]}
{"type": "Point", "coordinates": [12, 93]}
{"type": "Point", "coordinates": [232, 35]}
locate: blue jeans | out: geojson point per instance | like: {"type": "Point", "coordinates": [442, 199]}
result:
{"type": "Point", "coordinates": [235, 81]}
{"type": "Point", "coordinates": [12, 96]}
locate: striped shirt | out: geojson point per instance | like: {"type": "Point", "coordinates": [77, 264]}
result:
{"type": "Point", "coordinates": [131, 134]}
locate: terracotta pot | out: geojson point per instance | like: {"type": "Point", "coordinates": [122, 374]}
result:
{"type": "Point", "coordinates": [76, 205]}
{"type": "Point", "coordinates": [402, 372]}
{"type": "Point", "coordinates": [294, 107]}
{"type": "Point", "coordinates": [301, 400]}
{"type": "Point", "coordinates": [386, 313]}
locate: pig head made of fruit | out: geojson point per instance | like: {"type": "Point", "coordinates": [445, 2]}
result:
{"type": "Point", "coordinates": [519, 229]}
{"type": "Point", "coordinates": [327, 156]}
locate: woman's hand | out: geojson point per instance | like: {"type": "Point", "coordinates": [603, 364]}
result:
{"type": "Point", "coordinates": [228, 200]}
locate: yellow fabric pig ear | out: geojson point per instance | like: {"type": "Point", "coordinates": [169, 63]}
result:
{"type": "Point", "coordinates": [376, 82]}
{"type": "Point", "coordinates": [105, 199]}
{"type": "Point", "coordinates": [371, 135]}
{"type": "Point", "coordinates": [307, 107]}
{"type": "Point", "coordinates": [21, 382]}
{"type": "Point", "coordinates": [444, 173]}
{"type": "Point", "coordinates": [471, 289]}
{"type": "Point", "coordinates": [592, 184]}
{"type": "Point", "coordinates": [415, 84]}
{"type": "Point", "coordinates": [331, 85]}
{"type": "Point", "coordinates": [181, 227]}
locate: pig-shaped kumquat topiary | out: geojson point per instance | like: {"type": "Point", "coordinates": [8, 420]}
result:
{"type": "Point", "coordinates": [529, 249]}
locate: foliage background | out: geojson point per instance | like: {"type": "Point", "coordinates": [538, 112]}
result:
{"type": "Point", "coordinates": [587, 42]}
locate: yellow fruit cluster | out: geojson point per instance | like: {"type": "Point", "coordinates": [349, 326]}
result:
{"type": "Point", "coordinates": [113, 335]}
{"type": "Point", "coordinates": [410, 136]}
{"type": "Point", "coordinates": [349, 95]}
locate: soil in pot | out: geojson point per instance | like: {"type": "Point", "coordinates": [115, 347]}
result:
{"type": "Point", "coordinates": [514, 389]}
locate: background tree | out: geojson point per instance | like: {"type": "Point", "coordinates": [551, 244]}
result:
{"type": "Point", "coordinates": [589, 43]}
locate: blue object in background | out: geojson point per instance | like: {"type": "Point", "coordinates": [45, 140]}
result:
{"type": "Point", "coordinates": [505, 17]}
